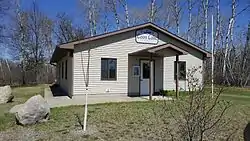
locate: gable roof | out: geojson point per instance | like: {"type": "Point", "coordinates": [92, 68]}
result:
{"type": "Point", "coordinates": [70, 45]}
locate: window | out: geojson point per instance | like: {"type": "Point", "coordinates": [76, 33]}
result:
{"type": "Point", "coordinates": [108, 68]}
{"type": "Point", "coordinates": [62, 69]}
{"type": "Point", "coordinates": [182, 70]}
{"type": "Point", "coordinates": [59, 69]}
{"type": "Point", "coordinates": [146, 70]}
{"type": "Point", "coordinates": [66, 69]}
{"type": "Point", "coordinates": [136, 71]}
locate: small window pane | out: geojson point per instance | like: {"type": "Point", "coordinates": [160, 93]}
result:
{"type": "Point", "coordinates": [66, 69]}
{"type": "Point", "coordinates": [62, 69]}
{"type": "Point", "coordinates": [136, 70]}
{"type": "Point", "coordinates": [146, 70]}
{"type": "Point", "coordinates": [59, 69]}
{"type": "Point", "coordinates": [108, 68]}
{"type": "Point", "coordinates": [112, 68]}
{"type": "Point", "coordinates": [182, 70]}
{"type": "Point", "coordinates": [104, 69]}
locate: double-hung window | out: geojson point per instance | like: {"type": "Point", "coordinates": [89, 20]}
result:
{"type": "Point", "coordinates": [108, 68]}
{"type": "Point", "coordinates": [66, 69]}
{"type": "Point", "coordinates": [182, 70]}
{"type": "Point", "coordinates": [62, 65]}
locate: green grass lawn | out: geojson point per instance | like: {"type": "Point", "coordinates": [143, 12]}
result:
{"type": "Point", "coordinates": [112, 121]}
{"type": "Point", "coordinates": [21, 94]}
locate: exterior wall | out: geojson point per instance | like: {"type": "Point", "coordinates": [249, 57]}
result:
{"type": "Point", "coordinates": [66, 84]}
{"type": "Point", "coordinates": [119, 47]}
{"type": "Point", "coordinates": [191, 61]}
{"type": "Point", "coordinates": [134, 81]}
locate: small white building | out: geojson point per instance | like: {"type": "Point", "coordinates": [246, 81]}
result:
{"type": "Point", "coordinates": [134, 61]}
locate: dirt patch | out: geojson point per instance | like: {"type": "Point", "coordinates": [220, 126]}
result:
{"type": "Point", "coordinates": [21, 134]}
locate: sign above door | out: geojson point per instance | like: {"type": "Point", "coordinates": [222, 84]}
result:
{"type": "Point", "coordinates": [146, 36]}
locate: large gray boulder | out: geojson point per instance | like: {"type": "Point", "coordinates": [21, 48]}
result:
{"type": "Point", "coordinates": [34, 110]}
{"type": "Point", "coordinates": [5, 94]}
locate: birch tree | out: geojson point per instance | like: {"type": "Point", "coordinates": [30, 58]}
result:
{"type": "Point", "coordinates": [152, 11]}
{"type": "Point", "coordinates": [229, 39]}
{"type": "Point", "coordinates": [218, 24]}
{"type": "Point", "coordinates": [65, 31]}
{"type": "Point", "coordinates": [112, 4]}
{"type": "Point", "coordinates": [139, 16]}
{"type": "Point", "coordinates": [31, 38]}
{"type": "Point", "coordinates": [124, 4]}
{"type": "Point", "coordinates": [190, 6]}
{"type": "Point", "coordinates": [205, 12]}
{"type": "Point", "coordinates": [4, 7]}
{"type": "Point", "coordinates": [105, 22]}
{"type": "Point", "coordinates": [91, 14]}
{"type": "Point", "coordinates": [176, 8]}
{"type": "Point", "coordinates": [245, 60]}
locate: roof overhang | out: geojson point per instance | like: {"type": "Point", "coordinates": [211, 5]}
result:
{"type": "Point", "coordinates": [70, 45]}
{"type": "Point", "coordinates": [60, 49]}
{"type": "Point", "coordinates": [59, 53]}
{"type": "Point", "coordinates": [164, 50]}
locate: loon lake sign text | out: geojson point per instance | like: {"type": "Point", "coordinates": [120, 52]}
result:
{"type": "Point", "coordinates": [146, 36]}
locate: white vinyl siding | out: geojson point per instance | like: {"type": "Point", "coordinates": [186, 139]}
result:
{"type": "Point", "coordinates": [134, 86]}
{"type": "Point", "coordinates": [119, 47]}
{"type": "Point", "coordinates": [66, 84]}
{"type": "Point", "coordinates": [191, 61]}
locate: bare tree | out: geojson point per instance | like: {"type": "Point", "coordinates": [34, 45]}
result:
{"type": "Point", "coordinates": [113, 5]}
{"type": "Point", "coordinates": [105, 22]}
{"type": "Point", "coordinates": [218, 24]}
{"type": "Point", "coordinates": [205, 12]}
{"type": "Point", "coordinates": [4, 7]}
{"type": "Point", "coordinates": [229, 39]}
{"type": "Point", "coordinates": [139, 16]}
{"type": "Point", "coordinates": [190, 6]}
{"type": "Point", "coordinates": [245, 76]}
{"type": "Point", "coordinates": [175, 10]}
{"type": "Point", "coordinates": [65, 31]}
{"type": "Point", "coordinates": [91, 13]}
{"type": "Point", "coordinates": [197, 116]}
{"type": "Point", "coordinates": [124, 4]}
{"type": "Point", "coordinates": [31, 38]}
{"type": "Point", "coordinates": [152, 11]}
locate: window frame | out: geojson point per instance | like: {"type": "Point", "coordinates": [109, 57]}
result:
{"type": "Point", "coordinates": [62, 73]}
{"type": "Point", "coordinates": [135, 69]}
{"type": "Point", "coordinates": [66, 69]}
{"type": "Point", "coordinates": [184, 77]}
{"type": "Point", "coordinates": [59, 71]}
{"type": "Point", "coordinates": [108, 71]}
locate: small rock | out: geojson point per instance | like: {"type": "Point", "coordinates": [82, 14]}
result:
{"type": "Point", "coordinates": [34, 110]}
{"type": "Point", "coordinates": [5, 94]}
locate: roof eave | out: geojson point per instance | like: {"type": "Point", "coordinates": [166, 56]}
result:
{"type": "Point", "coordinates": [71, 45]}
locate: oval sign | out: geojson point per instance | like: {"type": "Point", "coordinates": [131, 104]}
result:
{"type": "Point", "coordinates": [146, 36]}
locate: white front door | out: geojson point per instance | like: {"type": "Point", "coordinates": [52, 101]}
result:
{"type": "Point", "coordinates": [144, 78]}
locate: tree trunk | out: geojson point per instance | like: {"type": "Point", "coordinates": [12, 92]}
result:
{"type": "Point", "coordinates": [217, 32]}
{"type": "Point", "coordinates": [8, 66]}
{"type": "Point", "coordinates": [189, 18]}
{"type": "Point", "coordinates": [205, 8]}
{"type": "Point", "coordinates": [90, 17]}
{"type": "Point", "coordinates": [1, 68]}
{"type": "Point", "coordinates": [177, 16]}
{"type": "Point", "coordinates": [114, 9]}
{"type": "Point", "coordinates": [152, 11]}
{"type": "Point", "coordinates": [228, 41]}
{"type": "Point", "coordinates": [125, 6]}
